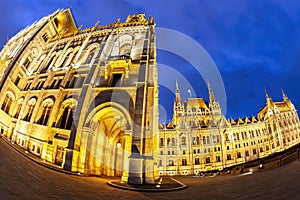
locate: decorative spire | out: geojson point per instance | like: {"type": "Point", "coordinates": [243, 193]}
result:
{"type": "Point", "coordinates": [269, 100]}
{"type": "Point", "coordinates": [267, 95]}
{"type": "Point", "coordinates": [177, 88]}
{"type": "Point", "coordinates": [211, 93]}
{"type": "Point", "coordinates": [285, 98]}
{"type": "Point", "coordinates": [178, 99]}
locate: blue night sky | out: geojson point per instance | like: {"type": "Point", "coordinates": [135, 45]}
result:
{"type": "Point", "coordinates": [254, 43]}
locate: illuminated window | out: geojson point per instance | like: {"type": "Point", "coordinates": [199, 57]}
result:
{"type": "Point", "coordinates": [207, 140]}
{"type": "Point", "coordinates": [7, 102]}
{"type": "Point", "coordinates": [228, 156]}
{"type": "Point", "coordinates": [204, 140]}
{"type": "Point", "coordinates": [47, 107]}
{"type": "Point", "coordinates": [66, 120]}
{"type": "Point", "coordinates": [50, 64]}
{"type": "Point", "coordinates": [45, 37]}
{"type": "Point", "coordinates": [31, 104]}
{"type": "Point", "coordinates": [161, 143]}
{"type": "Point", "coordinates": [20, 102]}
{"type": "Point", "coordinates": [26, 63]}
{"type": "Point", "coordinates": [90, 56]}
{"type": "Point", "coordinates": [171, 163]}
{"type": "Point", "coordinates": [247, 153]}
{"type": "Point", "coordinates": [196, 140]}
{"type": "Point", "coordinates": [184, 162]}
{"type": "Point", "coordinates": [160, 163]}
{"type": "Point", "coordinates": [17, 80]}
{"type": "Point", "coordinates": [261, 149]}
{"type": "Point", "coordinates": [168, 142]}
{"type": "Point", "coordinates": [207, 160]}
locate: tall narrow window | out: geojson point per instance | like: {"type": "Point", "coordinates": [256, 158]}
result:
{"type": "Point", "coordinates": [161, 143]}
{"type": "Point", "coordinates": [17, 80]}
{"type": "Point", "coordinates": [31, 104]}
{"type": "Point", "coordinates": [45, 37]}
{"type": "Point", "coordinates": [184, 163]}
{"type": "Point", "coordinates": [7, 103]}
{"type": "Point", "coordinates": [90, 56]}
{"type": "Point", "coordinates": [197, 161]}
{"type": "Point", "coordinates": [26, 63]}
{"type": "Point", "coordinates": [67, 118]}
{"type": "Point", "coordinates": [207, 160]}
{"type": "Point", "coordinates": [168, 142]}
{"type": "Point", "coordinates": [20, 102]}
{"type": "Point", "coordinates": [49, 65]}
{"type": "Point", "coordinates": [47, 107]}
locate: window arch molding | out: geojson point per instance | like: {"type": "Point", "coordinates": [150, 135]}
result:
{"type": "Point", "coordinates": [46, 107]}
{"type": "Point", "coordinates": [65, 116]}
{"type": "Point", "coordinates": [8, 101]}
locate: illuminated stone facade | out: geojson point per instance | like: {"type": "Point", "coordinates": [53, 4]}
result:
{"type": "Point", "coordinates": [85, 100]}
{"type": "Point", "coordinates": [200, 139]}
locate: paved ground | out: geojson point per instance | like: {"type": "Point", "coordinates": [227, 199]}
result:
{"type": "Point", "coordinates": [21, 178]}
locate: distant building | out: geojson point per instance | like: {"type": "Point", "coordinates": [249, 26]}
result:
{"type": "Point", "coordinates": [85, 100]}
{"type": "Point", "coordinates": [200, 139]}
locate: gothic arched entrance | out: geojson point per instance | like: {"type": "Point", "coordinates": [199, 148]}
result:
{"type": "Point", "coordinates": [109, 140]}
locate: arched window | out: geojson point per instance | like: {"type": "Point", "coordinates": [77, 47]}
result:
{"type": "Point", "coordinates": [49, 65]}
{"type": "Point", "coordinates": [20, 102]}
{"type": "Point", "coordinates": [90, 56]}
{"type": "Point", "coordinates": [168, 142]}
{"type": "Point", "coordinates": [161, 143]}
{"type": "Point", "coordinates": [66, 59]}
{"type": "Point", "coordinates": [173, 141]}
{"type": "Point", "coordinates": [122, 46]}
{"type": "Point", "coordinates": [47, 107]}
{"type": "Point", "coordinates": [207, 160]}
{"type": "Point", "coordinates": [66, 120]}
{"type": "Point", "coordinates": [9, 98]}
{"type": "Point", "coordinates": [31, 103]}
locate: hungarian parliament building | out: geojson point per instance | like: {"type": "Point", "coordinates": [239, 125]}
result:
{"type": "Point", "coordinates": [200, 139]}
{"type": "Point", "coordinates": [86, 100]}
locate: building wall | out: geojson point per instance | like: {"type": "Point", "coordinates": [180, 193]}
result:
{"type": "Point", "coordinates": [70, 93]}
{"type": "Point", "coordinates": [201, 140]}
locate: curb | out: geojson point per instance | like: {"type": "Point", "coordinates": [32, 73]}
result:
{"type": "Point", "coordinates": [183, 186]}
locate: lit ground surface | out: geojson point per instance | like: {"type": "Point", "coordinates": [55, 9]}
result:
{"type": "Point", "coordinates": [20, 178]}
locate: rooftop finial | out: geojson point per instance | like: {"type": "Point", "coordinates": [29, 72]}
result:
{"type": "Point", "coordinates": [285, 98]}
{"type": "Point", "coordinates": [211, 93]}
